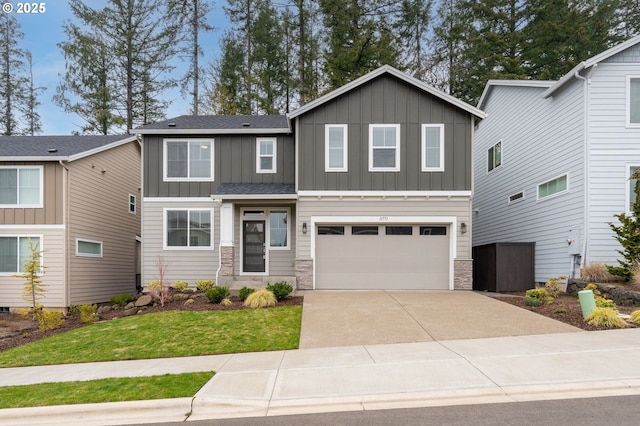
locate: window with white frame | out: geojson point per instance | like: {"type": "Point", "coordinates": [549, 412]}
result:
{"type": "Point", "coordinates": [335, 153]}
{"type": "Point", "coordinates": [266, 155]}
{"type": "Point", "coordinates": [15, 250]}
{"type": "Point", "coordinates": [188, 159]}
{"type": "Point", "coordinates": [494, 156]}
{"type": "Point", "coordinates": [632, 172]}
{"type": "Point", "coordinates": [552, 187]}
{"type": "Point", "coordinates": [279, 229]}
{"type": "Point", "coordinates": [384, 147]}
{"type": "Point", "coordinates": [21, 186]}
{"type": "Point", "coordinates": [132, 203]}
{"type": "Point", "coordinates": [633, 101]}
{"type": "Point", "coordinates": [88, 248]}
{"type": "Point", "coordinates": [433, 147]}
{"type": "Point", "coordinates": [188, 228]}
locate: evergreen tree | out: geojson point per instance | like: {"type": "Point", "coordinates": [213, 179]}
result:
{"type": "Point", "coordinates": [32, 117]}
{"type": "Point", "coordinates": [412, 24]}
{"type": "Point", "coordinates": [226, 95]}
{"type": "Point", "coordinates": [628, 235]}
{"type": "Point", "coordinates": [307, 50]}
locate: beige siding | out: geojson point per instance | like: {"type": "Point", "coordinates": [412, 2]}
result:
{"type": "Point", "coordinates": [53, 259]}
{"type": "Point", "coordinates": [187, 265]}
{"type": "Point", "coordinates": [52, 211]}
{"type": "Point", "coordinates": [390, 207]}
{"type": "Point", "coordinates": [99, 188]}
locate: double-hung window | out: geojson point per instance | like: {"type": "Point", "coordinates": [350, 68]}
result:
{"type": "Point", "coordinates": [188, 228]}
{"type": "Point", "coordinates": [21, 186]}
{"type": "Point", "coordinates": [633, 101]}
{"type": "Point", "coordinates": [335, 148]}
{"type": "Point", "coordinates": [266, 155]}
{"type": "Point", "coordinates": [494, 156]}
{"type": "Point", "coordinates": [553, 187]}
{"type": "Point", "coordinates": [384, 147]}
{"type": "Point", "coordinates": [433, 147]}
{"type": "Point", "coordinates": [14, 251]}
{"type": "Point", "coordinates": [188, 159]}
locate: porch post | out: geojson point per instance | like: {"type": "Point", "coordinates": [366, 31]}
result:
{"type": "Point", "coordinates": [226, 240]}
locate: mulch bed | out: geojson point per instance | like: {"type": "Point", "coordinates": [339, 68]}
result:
{"type": "Point", "coordinates": [16, 331]}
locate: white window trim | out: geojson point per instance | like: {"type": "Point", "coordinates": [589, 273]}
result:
{"type": "Point", "coordinates": [424, 148]}
{"type": "Point", "coordinates": [186, 179]}
{"type": "Point", "coordinates": [41, 248]}
{"type": "Point", "coordinates": [135, 204]}
{"type": "Point", "coordinates": [494, 156]}
{"type": "Point", "coordinates": [627, 194]}
{"type": "Point", "coordinates": [41, 194]}
{"type": "Point", "coordinates": [398, 143]}
{"type": "Point", "coordinates": [628, 102]}
{"type": "Point", "coordinates": [84, 240]}
{"type": "Point", "coordinates": [167, 247]}
{"type": "Point", "coordinates": [555, 194]}
{"type": "Point", "coordinates": [345, 148]}
{"type": "Point", "coordinates": [268, 236]}
{"type": "Point", "coordinates": [524, 195]}
{"type": "Point", "coordinates": [274, 156]}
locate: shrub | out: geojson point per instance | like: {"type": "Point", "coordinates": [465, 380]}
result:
{"type": "Point", "coordinates": [596, 272]}
{"type": "Point", "coordinates": [532, 301]}
{"type": "Point", "coordinates": [553, 288]}
{"type": "Point", "coordinates": [635, 316]}
{"type": "Point", "coordinates": [561, 311]}
{"type": "Point", "coordinates": [180, 285]}
{"type": "Point", "coordinates": [602, 302]}
{"type": "Point", "coordinates": [245, 292]}
{"type": "Point", "coordinates": [217, 294]}
{"type": "Point", "coordinates": [605, 317]}
{"type": "Point", "coordinates": [226, 302]}
{"type": "Point", "coordinates": [536, 297]}
{"type": "Point", "coordinates": [49, 320]}
{"type": "Point", "coordinates": [121, 299]}
{"type": "Point", "coordinates": [159, 290]}
{"type": "Point", "coordinates": [260, 299]}
{"type": "Point", "coordinates": [204, 285]}
{"type": "Point", "coordinates": [88, 313]}
{"type": "Point", "coordinates": [280, 290]}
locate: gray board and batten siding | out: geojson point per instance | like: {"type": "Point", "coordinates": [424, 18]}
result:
{"type": "Point", "coordinates": [234, 162]}
{"type": "Point", "coordinates": [385, 100]}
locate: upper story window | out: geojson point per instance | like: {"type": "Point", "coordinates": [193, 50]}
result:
{"type": "Point", "coordinates": [188, 228]}
{"type": "Point", "coordinates": [335, 153]}
{"type": "Point", "coordinates": [433, 147]}
{"type": "Point", "coordinates": [633, 101]}
{"type": "Point", "coordinates": [632, 173]}
{"type": "Point", "coordinates": [266, 155]}
{"type": "Point", "coordinates": [188, 159]}
{"type": "Point", "coordinates": [384, 147]}
{"type": "Point", "coordinates": [555, 186]}
{"type": "Point", "coordinates": [14, 251]}
{"type": "Point", "coordinates": [494, 156]}
{"type": "Point", "coordinates": [132, 203]}
{"type": "Point", "coordinates": [21, 186]}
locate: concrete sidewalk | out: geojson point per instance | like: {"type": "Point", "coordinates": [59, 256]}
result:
{"type": "Point", "coordinates": [450, 372]}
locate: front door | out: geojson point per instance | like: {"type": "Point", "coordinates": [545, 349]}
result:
{"type": "Point", "coordinates": [254, 250]}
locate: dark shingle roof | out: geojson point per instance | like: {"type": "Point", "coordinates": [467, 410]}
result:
{"type": "Point", "coordinates": [54, 147]}
{"type": "Point", "coordinates": [219, 122]}
{"type": "Point", "coordinates": [256, 189]}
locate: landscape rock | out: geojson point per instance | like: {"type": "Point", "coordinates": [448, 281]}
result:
{"type": "Point", "coordinates": [129, 305]}
{"type": "Point", "coordinates": [180, 296]}
{"type": "Point", "coordinates": [144, 300]}
{"type": "Point", "coordinates": [103, 309]}
{"type": "Point", "coordinates": [130, 311]}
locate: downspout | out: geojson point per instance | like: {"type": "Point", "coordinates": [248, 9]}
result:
{"type": "Point", "coordinates": [65, 245]}
{"type": "Point", "coordinates": [219, 203]}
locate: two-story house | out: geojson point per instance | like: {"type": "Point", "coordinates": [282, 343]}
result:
{"type": "Point", "coordinates": [77, 199]}
{"type": "Point", "coordinates": [552, 161]}
{"type": "Point", "coordinates": [367, 187]}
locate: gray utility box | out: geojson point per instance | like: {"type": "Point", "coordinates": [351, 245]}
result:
{"type": "Point", "coordinates": [504, 267]}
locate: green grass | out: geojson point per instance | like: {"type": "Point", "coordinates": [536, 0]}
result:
{"type": "Point", "coordinates": [165, 334]}
{"type": "Point", "coordinates": [104, 390]}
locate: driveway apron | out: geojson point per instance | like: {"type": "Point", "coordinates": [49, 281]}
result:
{"type": "Point", "coordinates": [346, 318]}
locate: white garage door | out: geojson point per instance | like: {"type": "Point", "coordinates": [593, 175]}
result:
{"type": "Point", "coordinates": [382, 257]}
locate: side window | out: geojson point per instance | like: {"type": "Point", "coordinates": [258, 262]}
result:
{"type": "Point", "coordinates": [433, 147]}
{"type": "Point", "coordinates": [336, 148]}
{"type": "Point", "coordinates": [132, 203]}
{"type": "Point", "coordinates": [88, 248]}
{"type": "Point", "coordinates": [633, 101]}
{"type": "Point", "coordinates": [555, 186]}
{"type": "Point", "coordinates": [632, 174]}
{"type": "Point", "coordinates": [494, 156]}
{"type": "Point", "coordinates": [266, 155]}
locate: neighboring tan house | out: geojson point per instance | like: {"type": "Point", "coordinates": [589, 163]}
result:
{"type": "Point", "coordinates": [367, 187]}
{"type": "Point", "coordinates": [552, 161]}
{"type": "Point", "coordinates": [78, 198]}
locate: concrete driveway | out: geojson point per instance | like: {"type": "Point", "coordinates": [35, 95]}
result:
{"type": "Point", "coordinates": [347, 318]}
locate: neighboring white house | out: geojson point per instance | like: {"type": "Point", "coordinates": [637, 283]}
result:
{"type": "Point", "coordinates": [552, 161]}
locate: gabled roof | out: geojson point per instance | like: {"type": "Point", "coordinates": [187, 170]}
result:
{"type": "Point", "coordinates": [386, 69]}
{"type": "Point", "coordinates": [56, 148]}
{"type": "Point", "coordinates": [491, 84]}
{"type": "Point", "coordinates": [591, 62]}
{"type": "Point", "coordinates": [218, 124]}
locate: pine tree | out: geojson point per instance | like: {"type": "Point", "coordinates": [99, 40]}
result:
{"type": "Point", "coordinates": [628, 235]}
{"type": "Point", "coordinates": [412, 24]}
{"type": "Point", "coordinates": [32, 117]}
{"type": "Point", "coordinates": [32, 272]}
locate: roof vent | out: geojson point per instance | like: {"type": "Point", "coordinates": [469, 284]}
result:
{"type": "Point", "coordinates": [246, 124]}
{"type": "Point", "coordinates": [172, 124]}
{"type": "Point", "coordinates": [52, 150]}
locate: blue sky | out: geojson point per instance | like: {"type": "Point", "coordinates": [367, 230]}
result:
{"type": "Point", "coordinates": [42, 33]}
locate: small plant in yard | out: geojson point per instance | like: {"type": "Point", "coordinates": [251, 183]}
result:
{"type": "Point", "coordinates": [553, 287]}
{"type": "Point", "coordinates": [217, 294]}
{"type": "Point", "coordinates": [121, 299]}
{"type": "Point", "coordinates": [635, 316]}
{"type": "Point", "coordinates": [160, 288]}
{"type": "Point", "coordinates": [88, 313]}
{"type": "Point", "coordinates": [204, 285]}
{"type": "Point", "coordinates": [627, 235]}
{"type": "Point", "coordinates": [536, 297]}
{"type": "Point", "coordinates": [245, 292]}
{"type": "Point", "coordinates": [280, 290]}
{"type": "Point", "coordinates": [605, 317]}
{"type": "Point", "coordinates": [180, 285]}
{"type": "Point", "coordinates": [561, 311]}
{"type": "Point", "coordinates": [260, 299]}
{"type": "Point", "coordinates": [49, 320]}
{"type": "Point", "coordinates": [32, 271]}
{"type": "Point", "coordinates": [601, 301]}
{"type": "Point", "coordinates": [596, 272]}
{"type": "Point", "coordinates": [226, 302]}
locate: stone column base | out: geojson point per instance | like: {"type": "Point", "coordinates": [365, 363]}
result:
{"type": "Point", "coordinates": [463, 274]}
{"type": "Point", "coordinates": [304, 274]}
{"type": "Point", "coordinates": [227, 258]}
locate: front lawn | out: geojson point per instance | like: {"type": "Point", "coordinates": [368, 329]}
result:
{"type": "Point", "coordinates": [165, 334]}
